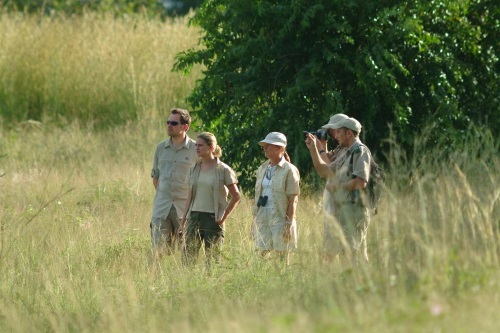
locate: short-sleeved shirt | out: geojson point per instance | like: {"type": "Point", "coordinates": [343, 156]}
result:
{"type": "Point", "coordinates": [336, 157]}
{"type": "Point", "coordinates": [223, 177]}
{"type": "Point", "coordinates": [170, 167]}
{"type": "Point", "coordinates": [285, 183]}
{"type": "Point", "coordinates": [360, 168]}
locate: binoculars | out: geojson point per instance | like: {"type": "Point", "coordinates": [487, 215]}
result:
{"type": "Point", "coordinates": [262, 201]}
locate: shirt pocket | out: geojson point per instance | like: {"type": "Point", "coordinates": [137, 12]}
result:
{"type": "Point", "coordinates": [279, 183]}
{"type": "Point", "coordinates": [166, 167]}
{"type": "Point", "coordinates": [182, 169]}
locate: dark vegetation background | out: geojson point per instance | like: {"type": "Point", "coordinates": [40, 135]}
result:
{"type": "Point", "coordinates": [287, 66]}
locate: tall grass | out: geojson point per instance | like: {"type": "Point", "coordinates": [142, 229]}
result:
{"type": "Point", "coordinates": [93, 68]}
{"type": "Point", "coordinates": [75, 240]}
{"type": "Point", "coordinates": [76, 204]}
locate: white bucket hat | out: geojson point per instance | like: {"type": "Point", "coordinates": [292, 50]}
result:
{"type": "Point", "coordinates": [274, 138]}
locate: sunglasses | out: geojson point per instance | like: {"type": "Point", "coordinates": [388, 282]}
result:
{"type": "Point", "coordinates": [173, 123]}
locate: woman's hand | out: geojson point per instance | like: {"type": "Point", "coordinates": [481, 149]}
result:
{"type": "Point", "coordinates": [287, 231]}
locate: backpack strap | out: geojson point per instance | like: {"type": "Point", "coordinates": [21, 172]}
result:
{"type": "Point", "coordinates": [355, 197]}
{"type": "Point", "coordinates": [356, 193]}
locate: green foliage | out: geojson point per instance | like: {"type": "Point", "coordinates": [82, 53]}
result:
{"type": "Point", "coordinates": [287, 66]}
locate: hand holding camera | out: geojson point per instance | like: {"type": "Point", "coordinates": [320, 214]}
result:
{"type": "Point", "coordinates": [310, 140]}
{"type": "Point", "coordinates": [321, 134]}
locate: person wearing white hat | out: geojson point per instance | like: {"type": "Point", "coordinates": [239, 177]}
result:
{"type": "Point", "coordinates": [330, 156]}
{"type": "Point", "coordinates": [330, 159]}
{"type": "Point", "coordinates": [350, 178]}
{"type": "Point", "coordinates": [345, 182]}
{"type": "Point", "coordinates": [276, 198]}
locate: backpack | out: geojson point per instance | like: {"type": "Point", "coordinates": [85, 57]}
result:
{"type": "Point", "coordinates": [375, 186]}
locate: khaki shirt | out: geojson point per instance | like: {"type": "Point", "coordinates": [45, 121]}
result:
{"type": "Point", "coordinates": [336, 156]}
{"type": "Point", "coordinates": [285, 183]}
{"type": "Point", "coordinates": [360, 168]}
{"type": "Point", "coordinates": [170, 167]}
{"type": "Point", "coordinates": [223, 177]}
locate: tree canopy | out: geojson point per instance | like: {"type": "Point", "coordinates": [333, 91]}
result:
{"type": "Point", "coordinates": [394, 65]}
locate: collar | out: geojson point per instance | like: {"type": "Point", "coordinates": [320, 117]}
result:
{"type": "Point", "coordinates": [281, 163]}
{"type": "Point", "coordinates": [355, 145]}
{"type": "Point", "coordinates": [217, 164]}
{"type": "Point", "coordinates": [186, 144]}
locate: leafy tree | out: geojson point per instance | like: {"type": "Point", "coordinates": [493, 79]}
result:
{"type": "Point", "coordinates": [180, 7]}
{"type": "Point", "coordinates": [288, 65]}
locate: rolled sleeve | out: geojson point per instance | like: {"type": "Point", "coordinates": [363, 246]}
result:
{"type": "Point", "coordinates": [155, 171]}
{"type": "Point", "coordinates": [292, 181]}
{"type": "Point", "coordinates": [230, 177]}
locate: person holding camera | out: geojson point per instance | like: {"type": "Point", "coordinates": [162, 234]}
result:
{"type": "Point", "coordinates": [326, 162]}
{"type": "Point", "coordinates": [351, 177]}
{"type": "Point", "coordinates": [331, 158]}
{"type": "Point", "coordinates": [328, 131]}
{"type": "Point", "coordinates": [345, 183]}
{"type": "Point", "coordinates": [276, 197]}
{"type": "Point", "coordinates": [207, 207]}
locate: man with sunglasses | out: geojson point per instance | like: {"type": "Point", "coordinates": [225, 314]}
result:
{"type": "Point", "coordinates": [172, 160]}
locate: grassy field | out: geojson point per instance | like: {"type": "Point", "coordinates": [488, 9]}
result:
{"type": "Point", "coordinates": [94, 68]}
{"type": "Point", "coordinates": [75, 241]}
{"type": "Point", "coordinates": [75, 205]}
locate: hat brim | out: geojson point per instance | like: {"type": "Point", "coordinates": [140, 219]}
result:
{"type": "Point", "coordinates": [334, 126]}
{"type": "Point", "coordinates": [264, 142]}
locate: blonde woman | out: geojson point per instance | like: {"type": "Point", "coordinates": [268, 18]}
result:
{"type": "Point", "coordinates": [207, 207]}
{"type": "Point", "coordinates": [276, 198]}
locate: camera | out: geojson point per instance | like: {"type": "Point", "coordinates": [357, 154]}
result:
{"type": "Point", "coordinates": [262, 201]}
{"type": "Point", "coordinates": [321, 134]}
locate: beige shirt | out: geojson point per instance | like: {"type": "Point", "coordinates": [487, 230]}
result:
{"type": "Point", "coordinates": [204, 198]}
{"type": "Point", "coordinates": [285, 183]}
{"type": "Point", "coordinates": [223, 176]}
{"type": "Point", "coordinates": [360, 168]}
{"type": "Point", "coordinates": [336, 157]}
{"type": "Point", "coordinates": [170, 167]}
